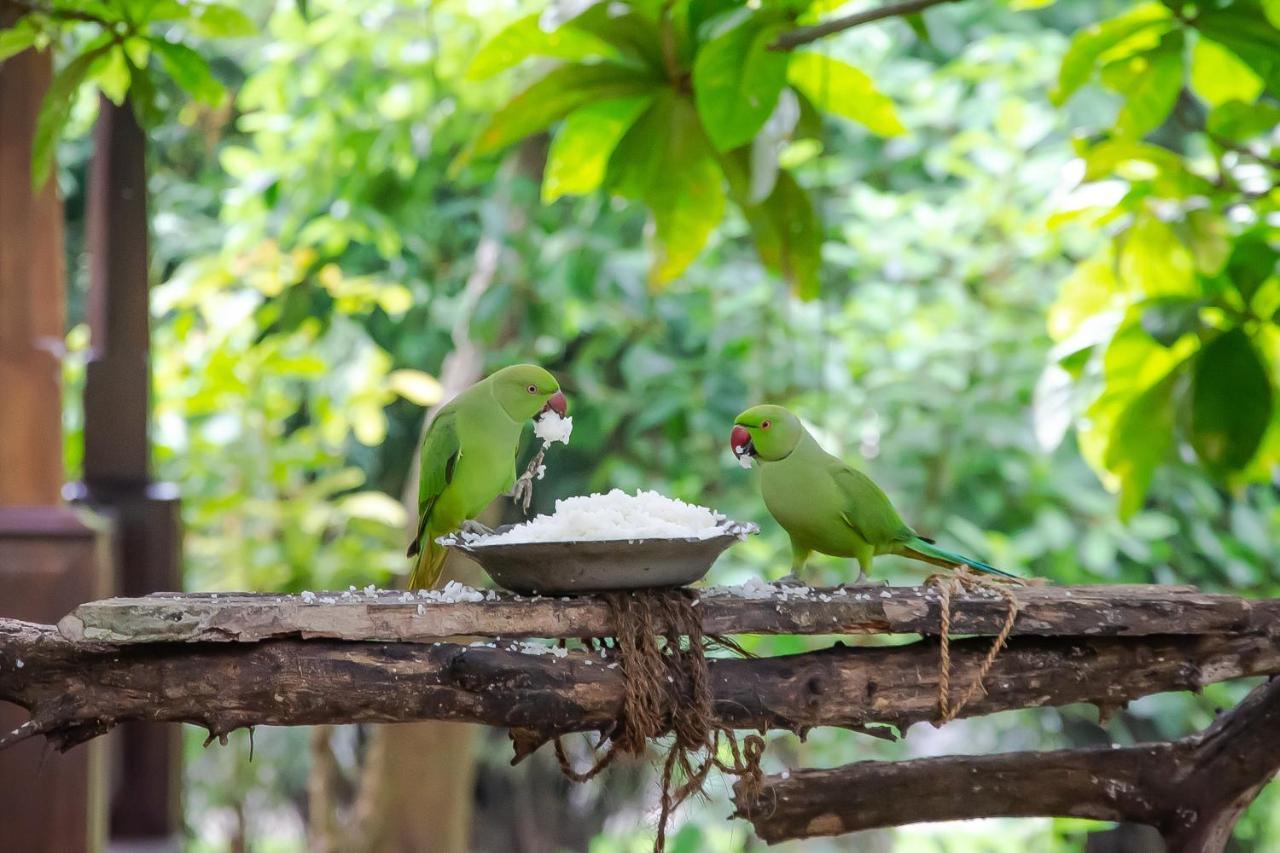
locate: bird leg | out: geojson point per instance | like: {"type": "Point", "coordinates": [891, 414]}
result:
{"type": "Point", "coordinates": [864, 579]}
{"type": "Point", "coordinates": [474, 528]}
{"type": "Point", "coordinates": [522, 491]}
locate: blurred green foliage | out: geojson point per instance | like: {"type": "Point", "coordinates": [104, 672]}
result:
{"type": "Point", "coordinates": [1036, 268]}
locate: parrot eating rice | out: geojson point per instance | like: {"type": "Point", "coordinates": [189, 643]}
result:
{"type": "Point", "coordinates": [469, 452]}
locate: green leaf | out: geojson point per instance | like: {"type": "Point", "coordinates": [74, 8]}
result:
{"type": "Point", "coordinates": [1248, 35]}
{"type": "Point", "coordinates": [580, 152]}
{"type": "Point", "coordinates": [635, 36]}
{"type": "Point", "coordinates": [666, 160]}
{"type": "Point", "coordinates": [1150, 83]}
{"type": "Point", "coordinates": [417, 387]}
{"type": "Point", "coordinates": [1090, 290]}
{"type": "Point", "coordinates": [1140, 442]}
{"type": "Point", "coordinates": [217, 20]}
{"type": "Point", "coordinates": [736, 82]}
{"type": "Point", "coordinates": [1240, 121]}
{"type": "Point", "coordinates": [784, 226]}
{"type": "Point", "coordinates": [1168, 318]}
{"type": "Point", "coordinates": [1127, 431]}
{"type": "Point", "coordinates": [919, 26]}
{"type": "Point", "coordinates": [788, 235]}
{"type": "Point", "coordinates": [1209, 240]}
{"type": "Point", "coordinates": [1231, 399]}
{"type": "Point", "coordinates": [142, 95]}
{"type": "Point", "coordinates": [56, 107]}
{"type": "Point", "coordinates": [1154, 261]}
{"type": "Point", "coordinates": [1253, 260]}
{"type": "Point", "coordinates": [1219, 76]}
{"type": "Point", "coordinates": [189, 70]}
{"type": "Point", "coordinates": [1089, 45]}
{"type": "Point", "coordinates": [18, 38]}
{"type": "Point", "coordinates": [703, 12]}
{"type": "Point", "coordinates": [558, 93]}
{"type": "Point", "coordinates": [112, 76]}
{"type": "Point", "coordinates": [839, 88]}
{"type": "Point", "coordinates": [525, 38]}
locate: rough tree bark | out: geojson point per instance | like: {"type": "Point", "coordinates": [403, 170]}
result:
{"type": "Point", "coordinates": [1091, 611]}
{"type": "Point", "coordinates": [76, 691]}
{"type": "Point", "coordinates": [250, 660]}
{"type": "Point", "coordinates": [1192, 790]}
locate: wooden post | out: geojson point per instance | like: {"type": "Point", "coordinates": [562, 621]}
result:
{"type": "Point", "coordinates": [145, 802]}
{"type": "Point", "coordinates": [49, 557]}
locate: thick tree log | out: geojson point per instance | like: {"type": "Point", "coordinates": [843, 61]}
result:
{"type": "Point", "coordinates": [1192, 790]}
{"type": "Point", "coordinates": [76, 691]}
{"type": "Point", "coordinates": [401, 617]}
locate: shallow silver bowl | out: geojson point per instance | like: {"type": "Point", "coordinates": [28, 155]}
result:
{"type": "Point", "coordinates": [559, 568]}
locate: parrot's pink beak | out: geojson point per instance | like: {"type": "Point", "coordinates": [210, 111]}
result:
{"type": "Point", "coordinates": [557, 404]}
{"type": "Point", "coordinates": [740, 442]}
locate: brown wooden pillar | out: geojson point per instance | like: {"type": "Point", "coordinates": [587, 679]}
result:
{"type": "Point", "coordinates": [145, 792]}
{"type": "Point", "coordinates": [51, 558]}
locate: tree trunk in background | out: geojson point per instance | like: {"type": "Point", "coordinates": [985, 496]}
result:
{"type": "Point", "coordinates": [50, 558]}
{"type": "Point", "coordinates": [416, 791]}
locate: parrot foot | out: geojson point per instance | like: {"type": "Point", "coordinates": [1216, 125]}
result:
{"type": "Point", "coordinates": [522, 491]}
{"type": "Point", "coordinates": [790, 580]}
{"type": "Point", "coordinates": [863, 580]}
{"type": "Point", "coordinates": [475, 528]}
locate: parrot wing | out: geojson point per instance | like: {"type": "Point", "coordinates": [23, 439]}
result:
{"type": "Point", "coordinates": [441, 449]}
{"type": "Point", "coordinates": [867, 509]}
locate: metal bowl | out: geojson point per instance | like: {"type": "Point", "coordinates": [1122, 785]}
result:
{"type": "Point", "coordinates": [559, 568]}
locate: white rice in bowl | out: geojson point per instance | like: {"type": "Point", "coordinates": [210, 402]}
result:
{"type": "Point", "coordinates": [611, 517]}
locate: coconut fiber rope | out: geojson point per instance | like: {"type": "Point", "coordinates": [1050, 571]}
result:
{"type": "Point", "coordinates": [662, 653]}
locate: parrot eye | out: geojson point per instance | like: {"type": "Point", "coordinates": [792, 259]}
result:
{"type": "Point", "coordinates": [533, 389]}
{"type": "Point", "coordinates": [764, 424]}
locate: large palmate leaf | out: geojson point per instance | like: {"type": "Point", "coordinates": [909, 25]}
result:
{"type": "Point", "coordinates": [666, 161]}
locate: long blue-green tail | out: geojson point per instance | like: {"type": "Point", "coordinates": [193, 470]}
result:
{"type": "Point", "coordinates": [919, 549]}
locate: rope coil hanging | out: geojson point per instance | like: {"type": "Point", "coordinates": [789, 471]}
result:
{"type": "Point", "coordinates": [953, 583]}
{"type": "Point", "coordinates": [668, 692]}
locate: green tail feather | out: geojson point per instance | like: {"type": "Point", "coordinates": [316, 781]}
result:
{"type": "Point", "coordinates": [922, 550]}
{"type": "Point", "coordinates": [430, 562]}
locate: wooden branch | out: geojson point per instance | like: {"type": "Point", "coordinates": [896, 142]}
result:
{"type": "Point", "coordinates": [1192, 790]}
{"type": "Point", "coordinates": [76, 690]}
{"type": "Point", "coordinates": [792, 39]}
{"type": "Point", "coordinates": [401, 617]}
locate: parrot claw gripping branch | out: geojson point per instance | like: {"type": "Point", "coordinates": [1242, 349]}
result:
{"type": "Point", "coordinates": [228, 662]}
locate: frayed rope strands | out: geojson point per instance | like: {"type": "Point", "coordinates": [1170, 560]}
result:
{"type": "Point", "coordinates": [668, 691]}
{"type": "Point", "coordinates": [952, 583]}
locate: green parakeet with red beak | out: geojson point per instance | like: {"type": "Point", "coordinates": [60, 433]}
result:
{"type": "Point", "coordinates": [469, 455]}
{"type": "Point", "coordinates": [824, 504]}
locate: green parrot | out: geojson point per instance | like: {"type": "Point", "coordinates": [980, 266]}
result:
{"type": "Point", "coordinates": [824, 504]}
{"type": "Point", "coordinates": [468, 456]}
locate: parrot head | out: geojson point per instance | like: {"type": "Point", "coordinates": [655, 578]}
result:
{"type": "Point", "coordinates": [526, 391]}
{"type": "Point", "coordinates": [768, 433]}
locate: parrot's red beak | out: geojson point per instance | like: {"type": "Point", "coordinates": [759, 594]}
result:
{"type": "Point", "coordinates": [557, 404]}
{"type": "Point", "coordinates": [740, 442]}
